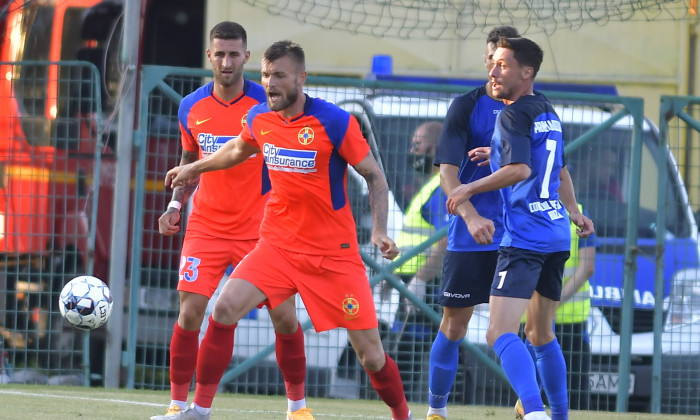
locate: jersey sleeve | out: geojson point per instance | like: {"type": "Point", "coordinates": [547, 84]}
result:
{"type": "Point", "coordinates": [515, 137]}
{"type": "Point", "coordinates": [247, 132]}
{"type": "Point", "coordinates": [189, 143]}
{"type": "Point", "coordinates": [434, 211]}
{"type": "Point", "coordinates": [247, 136]}
{"type": "Point", "coordinates": [354, 147]}
{"type": "Point", "coordinates": [187, 140]}
{"type": "Point", "coordinates": [454, 138]}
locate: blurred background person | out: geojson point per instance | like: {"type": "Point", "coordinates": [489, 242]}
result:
{"type": "Point", "coordinates": [425, 214]}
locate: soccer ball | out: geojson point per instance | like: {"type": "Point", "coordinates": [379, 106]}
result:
{"type": "Point", "coordinates": [85, 302]}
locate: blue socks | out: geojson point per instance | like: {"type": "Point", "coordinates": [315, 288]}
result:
{"type": "Point", "coordinates": [517, 364]}
{"type": "Point", "coordinates": [444, 357]}
{"type": "Point", "coordinates": [552, 369]}
{"type": "Point", "coordinates": [531, 349]}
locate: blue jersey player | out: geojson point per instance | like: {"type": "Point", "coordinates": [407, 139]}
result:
{"type": "Point", "coordinates": [527, 159]}
{"type": "Point", "coordinates": [473, 233]}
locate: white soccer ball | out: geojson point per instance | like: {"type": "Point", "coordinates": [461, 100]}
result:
{"type": "Point", "coordinates": [85, 302]}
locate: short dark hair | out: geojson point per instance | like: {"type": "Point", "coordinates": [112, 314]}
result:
{"type": "Point", "coordinates": [499, 31]}
{"type": "Point", "coordinates": [228, 30]}
{"type": "Point", "coordinates": [285, 48]}
{"type": "Point", "coordinates": [525, 51]}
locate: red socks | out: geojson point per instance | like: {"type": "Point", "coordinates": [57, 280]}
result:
{"type": "Point", "coordinates": [215, 356]}
{"type": "Point", "coordinates": [184, 346]}
{"type": "Point", "coordinates": [291, 359]}
{"type": "Point", "coordinates": [387, 383]}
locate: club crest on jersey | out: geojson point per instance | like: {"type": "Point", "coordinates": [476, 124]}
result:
{"type": "Point", "coordinates": [289, 160]}
{"type": "Point", "coordinates": [306, 135]}
{"type": "Point", "coordinates": [244, 120]}
{"type": "Point", "coordinates": [210, 143]}
{"type": "Point", "coordinates": [351, 307]}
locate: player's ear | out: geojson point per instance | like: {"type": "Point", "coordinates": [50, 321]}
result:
{"type": "Point", "coordinates": [302, 77]}
{"type": "Point", "coordinates": [247, 57]}
{"type": "Point", "coordinates": [527, 72]}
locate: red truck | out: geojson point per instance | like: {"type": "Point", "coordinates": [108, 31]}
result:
{"type": "Point", "coordinates": [57, 142]}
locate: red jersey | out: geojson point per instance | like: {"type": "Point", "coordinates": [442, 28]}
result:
{"type": "Point", "coordinates": [307, 158]}
{"type": "Point", "coordinates": [228, 203]}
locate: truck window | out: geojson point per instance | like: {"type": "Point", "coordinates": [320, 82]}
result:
{"type": "Point", "coordinates": [600, 171]}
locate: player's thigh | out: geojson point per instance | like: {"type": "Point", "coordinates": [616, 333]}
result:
{"type": "Point", "coordinates": [517, 272]}
{"type": "Point", "coordinates": [336, 292]}
{"type": "Point", "coordinates": [203, 262]}
{"type": "Point", "coordinates": [466, 278]}
{"type": "Point", "coordinates": [237, 298]}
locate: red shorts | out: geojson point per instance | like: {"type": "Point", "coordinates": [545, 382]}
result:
{"type": "Point", "coordinates": [335, 289]}
{"type": "Point", "coordinates": [205, 258]}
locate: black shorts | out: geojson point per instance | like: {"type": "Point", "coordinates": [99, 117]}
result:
{"type": "Point", "coordinates": [519, 272]}
{"type": "Point", "coordinates": [466, 278]}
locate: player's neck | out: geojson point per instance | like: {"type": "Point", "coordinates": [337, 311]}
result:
{"type": "Point", "coordinates": [228, 93]}
{"type": "Point", "coordinates": [524, 90]}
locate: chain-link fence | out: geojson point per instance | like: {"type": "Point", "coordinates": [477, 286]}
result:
{"type": "Point", "coordinates": [611, 153]}
{"type": "Point", "coordinates": [640, 339]}
{"type": "Point", "coordinates": [52, 166]}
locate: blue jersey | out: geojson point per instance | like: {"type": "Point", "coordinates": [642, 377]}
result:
{"type": "Point", "coordinates": [469, 124]}
{"type": "Point", "coordinates": [529, 131]}
{"type": "Point", "coordinates": [434, 211]}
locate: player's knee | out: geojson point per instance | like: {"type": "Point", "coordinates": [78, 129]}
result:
{"type": "Point", "coordinates": [191, 316]}
{"type": "Point", "coordinates": [539, 336]}
{"type": "Point", "coordinates": [492, 335]}
{"type": "Point", "coordinates": [285, 322]}
{"type": "Point", "coordinates": [372, 360]}
{"type": "Point", "coordinates": [454, 329]}
{"type": "Point", "coordinates": [226, 312]}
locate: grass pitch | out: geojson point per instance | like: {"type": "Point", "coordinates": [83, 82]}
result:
{"type": "Point", "coordinates": [62, 403]}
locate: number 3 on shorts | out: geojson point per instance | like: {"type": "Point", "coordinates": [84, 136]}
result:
{"type": "Point", "coordinates": [502, 276]}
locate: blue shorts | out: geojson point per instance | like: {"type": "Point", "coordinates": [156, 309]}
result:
{"type": "Point", "coordinates": [521, 272]}
{"type": "Point", "coordinates": [466, 278]}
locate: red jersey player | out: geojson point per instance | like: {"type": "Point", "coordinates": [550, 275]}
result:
{"type": "Point", "coordinates": [308, 242]}
{"type": "Point", "coordinates": [224, 223]}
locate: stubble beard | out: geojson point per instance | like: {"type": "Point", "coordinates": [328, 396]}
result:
{"type": "Point", "coordinates": [283, 101]}
{"type": "Point", "coordinates": [228, 81]}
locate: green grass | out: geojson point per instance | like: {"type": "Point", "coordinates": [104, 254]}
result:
{"type": "Point", "coordinates": [61, 403]}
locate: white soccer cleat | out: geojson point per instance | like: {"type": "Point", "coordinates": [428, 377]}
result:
{"type": "Point", "coordinates": [188, 413]}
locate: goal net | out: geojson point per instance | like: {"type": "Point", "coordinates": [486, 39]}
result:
{"type": "Point", "coordinates": [456, 19]}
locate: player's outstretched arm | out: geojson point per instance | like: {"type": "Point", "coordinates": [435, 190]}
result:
{"type": "Point", "coordinates": [379, 202]}
{"type": "Point", "coordinates": [230, 154]}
